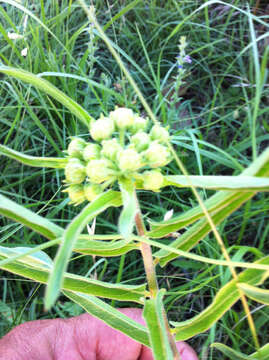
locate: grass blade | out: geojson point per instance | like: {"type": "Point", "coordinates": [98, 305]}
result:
{"type": "Point", "coordinates": [56, 163]}
{"type": "Point", "coordinates": [49, 89]}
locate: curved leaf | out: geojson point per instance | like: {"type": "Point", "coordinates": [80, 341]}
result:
{"type": "Point", "coordinates": [101, 248]}
{"type": "Point", "coordinates": [56, 163]}
{"type": "Point", "coordinates": [38, 268]}
{"type": "Point", "coordinates": [110, 316]}
{"type": "Point", "coordinates": [232, 354]}
{"type": "Point", "coordinates": [199, 230]}
{"type": "Point", "coordinates": [153, 315]}
{"type": "Point", "coordinates": [225, 298]}
{"type": "Point", "coordinates": [242, 183]}
{"type": "Point", "coordinates": [30, 219]}
{"type": "Point", "coordinates": [255, 293]}
{"type": "Point", "coordinates": [262, 354]}
{"type": "Point", "coordinates": [49, 89]}
{"type": "Point", "coordinates": [97, 206]}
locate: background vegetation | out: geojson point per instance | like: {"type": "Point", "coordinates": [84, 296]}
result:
{"type": "Point", "coordinates": [218, 118]}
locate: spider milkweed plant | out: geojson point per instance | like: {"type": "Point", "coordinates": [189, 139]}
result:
{"type": "Point", "coordinates": [123, 153]}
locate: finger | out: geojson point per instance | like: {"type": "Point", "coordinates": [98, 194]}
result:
{"type": "Point", "coordinates": [113, 345]}
{"type": "Point", "coordinates": [186, 352]}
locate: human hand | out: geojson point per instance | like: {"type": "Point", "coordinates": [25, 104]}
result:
{"type": "Point", "coordinates": [79, 338]}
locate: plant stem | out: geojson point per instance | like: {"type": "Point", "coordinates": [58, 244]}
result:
{"type": "Point", "coordinates": [147, 256]}
{"type": "Point", "coordinates": [151, 276]}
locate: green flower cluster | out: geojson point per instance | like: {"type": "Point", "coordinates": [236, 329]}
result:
{"type": "Point", "coordinates": [121, 147]}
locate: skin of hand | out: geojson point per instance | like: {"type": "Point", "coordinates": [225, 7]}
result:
{"type": "Point", "coordinates": [79, 338]}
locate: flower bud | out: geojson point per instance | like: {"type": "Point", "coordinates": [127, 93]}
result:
{"type": "Point", "coordinates": [129, 160]}
{"type": "Point", "coordinates": [91, 151]}
{"type": "Point", "coordinates": [140, 140]}
{"type": "Point", "coordinates": [159, 133]}
{"type": "Point", "coordinates": [157, 155]}
{"type": "Point", "coordinates": [110, 148]}
{"type": "Point", "coordinates": [76, 194]}
{"type": "Point", "coordinates": [102, 129]}
{"type": "Point", "coordinates": [100, 170]}
{"type": "Point", "coordinates": [152, 180]}
{"type": "Point", "coordinates": [74, 171]}
{"type": "Point", "coordinates": [76, 147]}
{"type": "Point", "coordinates": [91, 191]}
{"type": "Point", "coordinates": [122, 117]}
{"type": "Point", "coordinates": [139, 124]}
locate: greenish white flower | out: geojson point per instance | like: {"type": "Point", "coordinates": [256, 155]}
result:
{"type": "Point", "coordinates": [129, 160]}
{"type": "Point", "coordinates": [159, 133]}
{"type": "Point", "coordinates": [123, 117]}
{"type": "Point", "coordinates": [140, 140]}
{"type": "Point", "coordinates": [139, 124]}
{"type": "Point", "coordinates": [91, 151]}
{"type": "Point", "coordinates": [152, 180]}
{"type": "Point", "coordinates": [74, 171]}
{"type": "Point", "coordinates": [91, 191]}
{"type": "Point", "coordinates": [76, 194]}
{"type": "Point", "coordinates": [102, 129]}
{"type": "Point", "coordinates": [75, 148]}
{"type": "Point", "coordinates": [157, 155]}
{"type": "Point", "coordinates": [110, 148]}
{"type": "Point", "coordinates": [100, 170]}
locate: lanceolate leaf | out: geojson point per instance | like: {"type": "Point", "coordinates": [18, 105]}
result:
{"type": "Point", "coordinates": [70, 236]}
{"type": "Point", "coordinates": [110, 316]}
{"type": "Point", "coordinates": [28, 218]}
{"type": "Point", "coordinates": [57, 163]}
{"type": "Point", "coordinates": [214, 204]}
{"type": "Point", "coordinates": [38, 267]}
{"type": "Point", "coordinates": [49, 89]}
{"type": "Point", "coordinates": [225, 298]}
{"type": "Point", "coordinates": [259, 168]}
{"type": "Point", "coordinates": [241, 183]}
{"type": "Point", "coordinates": [230, 353]}
{"type": "Point", "coordinates": [127, 216]}
{"type": "Point", "coordinates": [255, 293]}
{"type": "Point", "coordinates": [104, 248]}
{"type": "Point", "coordinates": [153, 315]}
{"type": "Point", "coordinates": [199, 230]}
{"type": "Point", "coordinates": [263, 353]}
{"type": "Point", "coordinates": [220, 206]}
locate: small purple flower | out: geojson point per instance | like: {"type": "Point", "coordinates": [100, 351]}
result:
{"type": "Point", "coordinates": [187, 59]}
{"type": "Point", "coordinates": [179, 66]}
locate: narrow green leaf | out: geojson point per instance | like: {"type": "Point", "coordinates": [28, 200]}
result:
{"type": "Point", "coordinates": [213, 204]}
{"type": "Point", "coordinates": [49, 89]}
{"type": "Point", "coordinates": [230, 353]}
{"type": "Point", "coordinates": [259, 168]}
{"type": "Point", "coordinates": [30, 219]}
{"type": "Point", "coordinates": [203, 259]}
{"type": "Point", "coordinates": [127, 216]}
{"type": "Point", "coordinates": [38, 267]}
{"type": "Point", "coordinates": [199, 230]}
{"type": "Point", "coordinates": [242, 183]}
{"type": "Point", "coordinates": [262, 354]}
{"type": "Point", "coordinates": [57, 163]}
{"type": "Point", "coordinates": [226, 297]}
{"type": "Point", "coordinates": [38, 259]}
{"type": "Point", "coordinates": [70, 236]}
{"type": "Point", "coordinates": [153, 315]}
{"type": "Point", "coordinates": [110, 316]}
{"type": "Point", "coordinates": [101, 248]}
{"type": "Point", "coordinates": [255, 293]}
{"type": "Point", "coordinates": [220, 206]}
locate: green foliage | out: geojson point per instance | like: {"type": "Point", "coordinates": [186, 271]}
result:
{"type": "Point", "coordinates": [216, 110]}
